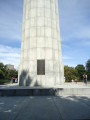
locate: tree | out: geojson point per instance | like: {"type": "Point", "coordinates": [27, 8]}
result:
{"type": "Point", "coordinates": [13, 73]}
{"type": "Point", "coordinates": [88, 68]}
{"type": "Point", "coordinates": [1, 66]}
{"type": "Point", "coordinates": [81, 71]}
{"type": "Point", "coordinates": [1, 74]}
{"type": "Point", "coordinates": [70, 73]}
{"type": "Point", "coordinates": [7, 73]}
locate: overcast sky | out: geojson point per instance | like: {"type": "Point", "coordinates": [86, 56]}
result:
{"type": "Point", "coordinates": [74, 26]}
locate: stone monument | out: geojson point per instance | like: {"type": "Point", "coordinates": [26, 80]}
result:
{"type": "Point", "coordinates": [41, 59]}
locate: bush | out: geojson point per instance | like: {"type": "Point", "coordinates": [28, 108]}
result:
{"type": "Point", "coordinates": [70, 73]}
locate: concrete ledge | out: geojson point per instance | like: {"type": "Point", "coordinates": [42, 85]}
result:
{"type": "Point", "coordinates": [26, 92]}
{"type": "Point", "coordinates": [45, 92]}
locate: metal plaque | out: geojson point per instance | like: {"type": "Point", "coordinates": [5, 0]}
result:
{"type": "Point", "coordinates": [40, 67]}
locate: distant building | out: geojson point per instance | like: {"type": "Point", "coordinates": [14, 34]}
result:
{"type": "Point", "coordinates": [9, 66]}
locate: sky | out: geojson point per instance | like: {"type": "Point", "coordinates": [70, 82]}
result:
{"type": "Point", "coordinates": [74, 26]}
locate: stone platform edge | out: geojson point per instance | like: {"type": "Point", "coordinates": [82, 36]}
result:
{"type": "Point", "coordinates": [45, 92]}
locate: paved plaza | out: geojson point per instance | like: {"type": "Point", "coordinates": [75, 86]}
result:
{"type": "Point", "coordinates": [45, 108]}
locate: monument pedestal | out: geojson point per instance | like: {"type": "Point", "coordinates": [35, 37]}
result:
{"type": "Point", "coordinates": [65, 89]}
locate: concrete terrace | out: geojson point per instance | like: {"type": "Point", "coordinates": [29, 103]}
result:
{"type": "Point", "coordinates": [59, 107]}
{"type": "Point", "coordinates": [65, 85]}
{"type": "Point", "coordinates": [65, 89]}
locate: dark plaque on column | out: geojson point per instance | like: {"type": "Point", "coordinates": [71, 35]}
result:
{"type": "Point", "coordinates": [40, 67]}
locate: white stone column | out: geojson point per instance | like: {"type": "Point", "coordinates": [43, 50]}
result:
{"type": "Point", "coordinates": [41, 41]}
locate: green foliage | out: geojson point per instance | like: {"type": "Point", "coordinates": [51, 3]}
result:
{"type": "Point", "coordinates": [2, 66]}
{"type": "Point", "coordinates": [13, 73]}
{"type": "Point", "coordinates": [70, 73]}
{"type": "Point", "coordinates": [4, 81]}
{"type": "Point", "coordinates": [88, 68]}
{"type": "Point", "coordinates": [1, 74]}
{"type": "Point", "coordinates": [81, 71]}
{"type": "Point", "coordinates": [6, 74]}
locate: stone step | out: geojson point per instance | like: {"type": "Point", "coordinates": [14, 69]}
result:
{"type": "Point", "coordinates": [44, 91]}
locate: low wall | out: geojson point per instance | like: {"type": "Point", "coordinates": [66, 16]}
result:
{"type": "Point", "coordinates": [45, 92]}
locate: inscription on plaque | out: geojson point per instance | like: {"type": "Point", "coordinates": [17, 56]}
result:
{"type": "Point", "coordinates": [40, 67]}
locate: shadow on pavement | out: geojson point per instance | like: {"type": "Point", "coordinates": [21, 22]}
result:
{"type": "Point", "coordinates": [45, 108]}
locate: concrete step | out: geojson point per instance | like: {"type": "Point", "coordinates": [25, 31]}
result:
{"type": "Point", "coordinates": [44, 91]}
